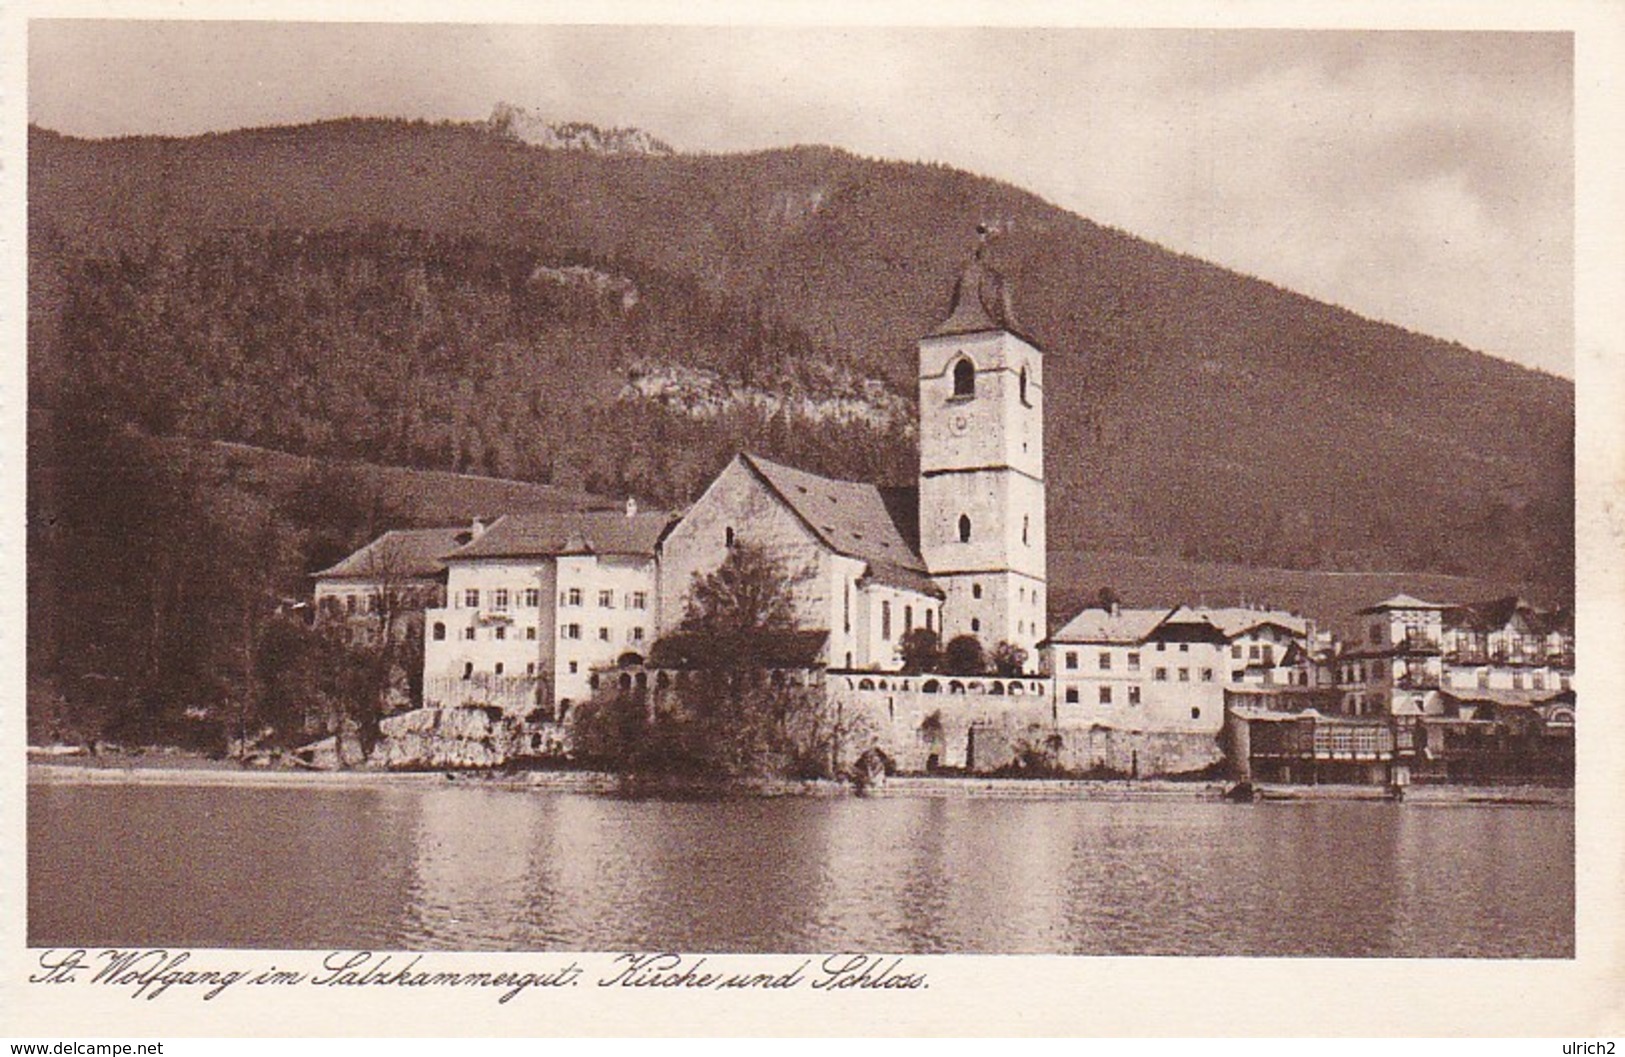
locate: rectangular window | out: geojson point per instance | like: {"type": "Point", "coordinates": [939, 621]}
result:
{"type": "Point", "coordinates": [471, 598]}
{"type": "Point", "coordinates": [571, 631]}
{"type": "Point", "coordinates": [1071, 695]}
{"type": "Point", "coordinates": [603, 634]}
{"type": "Point", "coordinates": [1252, 652]}
{"type": "Point", "coordinates": [1072, 660]}
{"type": "Point", "coordinates": [530, 667]}
{"type": "Point", "coordinates": [1162, 647]}
{"type": "Point", "coordinates": [1269, 656]}
{"type": "Point", "coordinates": [1133, 695]}
{"type": "Point", "coordinates": [1207, 675]}
{"type": "Point", "coordinates": [1105, 695]}
{"type": "Point", "coordinates": [573, 596]}
{"type": "Point", "coordinates": [1134, 662]}
{"type": "Point", "coordinates": [499, 598]}
{"type": "Point", "coordinates": [1539, 680]}
{"type": "Point", "coordinates": [1105, 660]}
{"type": "Point", "coordinates": [1184, 675]}
{"type": "Point", "coordinates": [468, 633]}
{"type": "Point", "coordinates": [533, 597]}
{"type": "Point", "coordinates": [575, 666]}
{"type": "Point", "coordinates": [501, 632]}
{"type": "Point", "coordinates": [1235, 651]}
{"type": "Point", "coordinates": [1375, 634]}
{"type": "Point", "coordinates": [606, 600]}
{"type": "Point", "coordinates": [640, 600]}
{"type": "Point", "coordinates": [1160, 675]}
{"type": "Point", "coordinates": [930, 619]}
{"type": "Point", "coordinates": [908, 619]}
{"type": "Point", "coordinates": [1184, 647]}
{"type": "Point", "coordinates": [885, 621]}
{"type": "Point", "coordinates": [530, 634]}
{"type": "Point", "coordinates": [637, 634]}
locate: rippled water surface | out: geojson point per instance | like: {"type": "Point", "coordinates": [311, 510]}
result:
{"type": "Point", "coordinates": [490, 869]}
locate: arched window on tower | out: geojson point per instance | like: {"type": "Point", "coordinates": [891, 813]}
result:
{"type": "Point", "coordinates": [964, 528]}
{"type": "Point", "coordinates": [1024, 525]}
{"type": "Point", "coordinates": [1023, 385]}
{"type": "Point", "coordinates": [964, 378]}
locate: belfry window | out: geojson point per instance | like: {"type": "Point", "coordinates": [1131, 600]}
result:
{"type": "Point", "coordinates": [1023, 386]}
{"type": "Point", "coordinates": [964, 528]}
{"type": "Point", "coordinates": [1024, 524]}
{"type": "Point", "coordinates": [964, 378]}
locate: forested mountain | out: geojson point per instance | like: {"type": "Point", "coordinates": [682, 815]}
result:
{"type": "Point", "coordinates": [388, 282]}
{"type": "Point", "coordinates": [450, 297]}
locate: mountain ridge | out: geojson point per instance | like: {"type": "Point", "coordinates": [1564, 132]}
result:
{"type": "Point", "coordinates": [1174, 426]}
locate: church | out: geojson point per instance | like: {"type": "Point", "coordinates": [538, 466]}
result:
{"type": "Point", "coordinates": [960, 553]}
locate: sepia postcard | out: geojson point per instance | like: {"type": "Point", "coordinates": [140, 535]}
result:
{"type": "Point", "coordinates": [900, 520]}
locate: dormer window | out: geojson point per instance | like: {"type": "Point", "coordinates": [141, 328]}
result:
{"type": "Point", "coordinates": [964, 379]}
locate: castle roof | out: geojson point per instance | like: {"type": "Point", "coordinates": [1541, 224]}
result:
{"type": "Point", "coordinates": [863, 521]}
{"type": "Point", "coordinates": [551, 534]}
{"type": "Point", "coordinates": [412, 554]}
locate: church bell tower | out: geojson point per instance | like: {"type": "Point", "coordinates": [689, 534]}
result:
{"type": "Point", "coordinates": [982, 466]}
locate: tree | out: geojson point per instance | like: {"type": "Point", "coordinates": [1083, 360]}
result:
{"type": "Point", "coordinates": [964, 656]}
{"type": "Point", "coordinates": [921, 650]}
{"type": "Point", "coordinates": [1009, 659]}
{"type": "Point", "coordinates": [726, 716]}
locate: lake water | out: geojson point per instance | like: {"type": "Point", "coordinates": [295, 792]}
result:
{"type": "Point", "coordinates": [463, 868]}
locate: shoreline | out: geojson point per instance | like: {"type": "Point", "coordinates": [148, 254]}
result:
{"type": "Point", "coordinates": [60, 771]}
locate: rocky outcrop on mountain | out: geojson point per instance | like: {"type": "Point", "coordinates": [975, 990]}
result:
{"type": "Point", "coordinates": [516, 122]}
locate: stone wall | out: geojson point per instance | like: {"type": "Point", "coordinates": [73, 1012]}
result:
{"type": "Point", "coordinates": [978, 730]}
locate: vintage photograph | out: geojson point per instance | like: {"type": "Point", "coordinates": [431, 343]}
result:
{"type": "Point", "coordinates": [801, 489]}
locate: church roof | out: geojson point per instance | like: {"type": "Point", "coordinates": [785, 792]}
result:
{"type": "Point", "coordinates": [858, 520]}
{"type": "Point", "coordinates": [981, 303]}
{"type": "Point", "coordinates": [552, 533]}
{"type": "Point", "coordinates": [405, 553]}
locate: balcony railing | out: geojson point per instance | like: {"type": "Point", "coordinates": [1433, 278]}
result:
{"type": "Point", "coordinates": [1418, 681]}
{"type": "Point", "coordinates": [1418, 643]}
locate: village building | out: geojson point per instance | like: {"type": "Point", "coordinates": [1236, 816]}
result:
{"type": "Point", "coordinates": [391, 580]}
{"type": "Point", "coordinates": [536, 603]}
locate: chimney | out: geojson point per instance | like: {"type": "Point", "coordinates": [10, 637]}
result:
{"type": "Point", "coordinates": [477, 529]}
{"type": "Point", "coordinates": [631, 506]}
{"type": "Point", "coordinates": [1117, 609]}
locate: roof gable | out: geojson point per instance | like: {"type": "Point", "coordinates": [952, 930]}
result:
{"type": "Point", "coordinates": [851, 518]}
{"type": "Point", "coordinates": [1110, 626]}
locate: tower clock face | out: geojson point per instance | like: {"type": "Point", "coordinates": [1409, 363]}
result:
{"type": "Point", "coordinates": [958, 424]}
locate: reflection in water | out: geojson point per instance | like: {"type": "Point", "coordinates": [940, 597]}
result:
{"type": "Point", "coordinates": [469, 867]}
